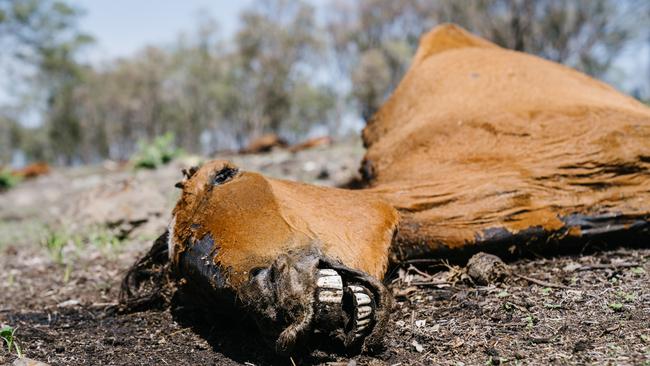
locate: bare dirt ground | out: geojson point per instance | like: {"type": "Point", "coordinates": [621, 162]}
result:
{"type": "Point", "coordinates": [67, 238]}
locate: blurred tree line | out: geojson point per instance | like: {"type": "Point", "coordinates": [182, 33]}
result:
{"type": "Point", "coordinates": [290, 68]}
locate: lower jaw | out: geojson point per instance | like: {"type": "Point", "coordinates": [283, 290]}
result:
{"type": "Point", "coordinates": [346, 305]}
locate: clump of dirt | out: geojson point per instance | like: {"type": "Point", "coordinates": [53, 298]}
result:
{"type": "Point", "coordinates": [484, 268]}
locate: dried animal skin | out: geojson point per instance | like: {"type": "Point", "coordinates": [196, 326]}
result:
{"type": "Point", "coordinates": [481, 146]}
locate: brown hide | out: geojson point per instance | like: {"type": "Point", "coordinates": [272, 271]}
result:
{"type": "Point", "coordinates": [264, 143]}
{"type": "Point", "coordinates": [32, 170]}
{"type": "Point", "coordinates": [478, 146]}
{"type": "Point", "coordinates": [253, 219]}
{"type": "Point", "coordinates": [311, 143]}
{"type": "Point", "coordinates": [479, 141]}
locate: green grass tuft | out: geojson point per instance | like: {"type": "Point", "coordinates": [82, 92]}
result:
{"type": "Point", "coordinates": [55, 242]}
{"type": "Point", "coordinates": [8, 335]}
{"type": "Point", "coordinates": [8, 180]}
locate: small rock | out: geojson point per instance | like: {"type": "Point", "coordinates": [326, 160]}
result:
{"type": "Point", "coordinates": [24, 361]}
{"type": "Point", "coordinates": [571, 267]}
{"type": "Point", "coordinates": [68, 303]}
{"type": "Point", "coordinates": [420, 323]}
{"type": "Point", "coordinates": [418, 346]}
{"type": "Point", "coordinates": [485, 268]}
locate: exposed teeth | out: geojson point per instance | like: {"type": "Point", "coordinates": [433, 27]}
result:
{"type": "Point", "coordinates": [327, 272]}
{"type": "Point", "coordinates": [363, 311]}
{"type": "Point", "coordinates": [330, 286]}
{"type": "Point", "coordinates": [328, 280]}
{"type": "Point", "coordinates": [329, 299]}
{"type": "Point", "coordinates": [362, 299]}
{"type": "Point", "coordinates": [330, 296]}
{"type": "Point", "coordinates": [362, 302]}
{"type": "Point", "coordinates": [363, 322]}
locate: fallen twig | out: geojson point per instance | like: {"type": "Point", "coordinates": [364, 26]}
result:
{"type": "Point", "coordinates": [539, 340]}
{"type": "Point", "coordinates": [423, 274]}
{"type": "Point", "coordinates": [103, 304]}
{"type": "Point", "coordinates": [431, 283]}
{"type": "Point", "coordinates": [607, 266]}
{"type": "Point", "coordinates": [543, 283]}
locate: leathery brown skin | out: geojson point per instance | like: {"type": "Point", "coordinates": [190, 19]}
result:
{"type": "Point", "coordinates": [478, 146]}
{"type": "Point", "coordinates": [293, 254]}
{"type": "Point", "coordinates": [484, 147]}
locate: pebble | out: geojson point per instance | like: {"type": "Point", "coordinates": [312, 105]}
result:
{"type": "Point", "coordinates": [24, 361]}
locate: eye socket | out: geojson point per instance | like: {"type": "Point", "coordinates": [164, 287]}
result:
{"type": "Point", "coordinates": [224, 175]}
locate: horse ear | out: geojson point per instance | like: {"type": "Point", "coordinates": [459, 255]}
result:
{"type": "Point", "coordinates": [187, 174]}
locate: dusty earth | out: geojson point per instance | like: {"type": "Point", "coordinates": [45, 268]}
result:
{"type": "Point", "coordinates": [67, 238]}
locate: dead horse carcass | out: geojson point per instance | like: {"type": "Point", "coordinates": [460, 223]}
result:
{"type": "Point", "coordinates": [478, 148]}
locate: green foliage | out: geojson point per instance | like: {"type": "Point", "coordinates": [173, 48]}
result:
{"type": "Point", "coordinates": [55, 242]}
{"type": "Point", "coordinates": [43, 35]}
{"type": "Point", "coordinates": [530, 321]}
{"type": "Point", "coordinates": [645, 338]}
{"type": "Point", "coordinates": [616, 306]}
{"type": "Point", "coordinates": [8, 335]}
{"type": "Point", "coordinates": [159, 152]}
{"type": "Point", "coordinates": [638, 270]}
{"type": "Point", "coordinates": [626, 296]}
{"type": "Point", "coordinates": [106, 239]}
{"type": "Point", "coordinates": [95, 237]}
{"type": "Point", "coordinates": [8, 180]}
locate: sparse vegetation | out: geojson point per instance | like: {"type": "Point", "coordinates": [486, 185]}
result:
{"type": "Point", "coordinates": [55, 241]}
{"type": "Point", "coordinates": [626, 296]}
{"type": "Point", "coordinates": [530, 321]}
{"type": "Point", "coordinates": [7, 180]}
{"type": "Point", "coordinates": [103, 238]}
{"type": "Point", "coordinates": [616, 306]}
{"type": "Point", "coordinates": [159, 152]}
{"type": "Point", "coordinates": [638, 270]}
{"type": "Point", "coordinates": [8, 335]}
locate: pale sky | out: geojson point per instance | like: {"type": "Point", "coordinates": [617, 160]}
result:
{"type": "Point", "coordinates": [121, 27]}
